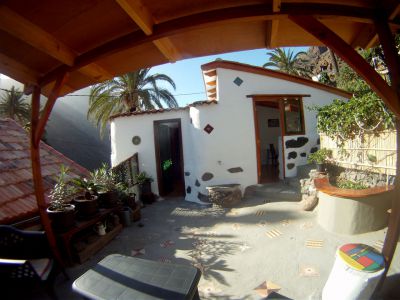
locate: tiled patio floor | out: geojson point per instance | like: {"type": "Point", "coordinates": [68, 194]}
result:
{"type": "Point", "coordinates": [237, 249]}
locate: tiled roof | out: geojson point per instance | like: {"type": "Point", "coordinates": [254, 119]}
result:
{"type": "Point", "coordinates": [17, 198]}
{"type": "Point", "coordinates": [161, 110]}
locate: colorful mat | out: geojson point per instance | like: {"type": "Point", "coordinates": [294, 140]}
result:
{"type": "Point", "coordinates": [361, 257]}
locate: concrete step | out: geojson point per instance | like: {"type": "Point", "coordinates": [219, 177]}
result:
{"type": "Point", "coordinates": [275, 192]}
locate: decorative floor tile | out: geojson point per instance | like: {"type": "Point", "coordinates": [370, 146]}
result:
{"type": "Point", "coordinates": [273, 233]}
{"type": "Point", "coordinates": [210, 233]}
{"type": "Point", "coordinates": [260, 213]}
{"type": "Point", "coordinates": [137, 252]}
{"type": "Point", "coordinates": [236, 226]}
{"type": "Point", "coordinates": [164, 260]}
{"type": "Point", "coordinates": [233, 212]}
{"type": "Point", "coordinates": [266, 288]}
{"type": "Point", "coordinates": [314, 243]}
{"type": "Point", "coordinates": [307, 225]}
{"type": "Point", "coordinates": [309, 271]}
{"type": "Point", "coordinates": [244, 247]}
{"type": "Point", "coordinates": [209, 290]}
{"type": "Point", "coordinates": [167, 244]}
{"type": "Point", "coordinates": [285, 222]}
{"type": "Point", "coordinates": [171, 220]}
{"type": "Point", "coordinates": [262, 224]}
{"type": "Point", "coordinates": [378, 245]}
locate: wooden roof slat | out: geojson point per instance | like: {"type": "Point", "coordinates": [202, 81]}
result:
{"type": "Point", "coordinates": [138, 13]}
{"type": "Point", "coordinates": [28, 32]}
{"type": "Point", "coordinates": [17, 70]}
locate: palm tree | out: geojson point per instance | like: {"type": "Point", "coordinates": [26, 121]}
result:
{"type": "Point", "coordinates": [14, 106]}
{"type": "Point", "coordinates": [288, 62]}
{"type": "Point", "coordinates": [134, 91]}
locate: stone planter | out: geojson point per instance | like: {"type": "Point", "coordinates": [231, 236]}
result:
{"type": "Point", "coordinates": [63, 220]}
{"type": "Point", "coordinates": [225, 195]}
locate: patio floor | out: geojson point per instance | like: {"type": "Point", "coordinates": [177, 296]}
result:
{"type": "Point", "coordinates": [237, 249]}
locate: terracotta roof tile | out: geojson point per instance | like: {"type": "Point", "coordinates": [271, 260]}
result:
{"type": "Point", "coordinates": [17, 199]}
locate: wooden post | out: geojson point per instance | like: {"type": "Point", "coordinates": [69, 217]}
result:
{"type": "Point", "coordinates": [37, 176]}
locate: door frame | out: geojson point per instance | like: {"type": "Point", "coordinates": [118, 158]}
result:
{"type": "Point", "coordinates": [274, 98]}
{"type": "Point", "coordinates": [157, 153]}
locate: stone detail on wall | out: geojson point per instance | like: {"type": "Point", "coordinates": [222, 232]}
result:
{"type": "Point", "coordinates": [290, 166]}
{"type": "Point", "coordinates": [207, 176]}
{"type": "Point", "coordinates": [314, 149]}
{"type": "Point", "coordinates": [197, 183]}
{"type": "Point", "coordinates": [188, 190]}
{"type": "Point", "coordinates": [292, 155]}
{"type": "Point", "coordinates": [238, 81]}
{"type": "Point", "coordinates": [187, 173]}
{"type": "Point", "coordinates": [303, 154]}
{"type": "Point", "coordinates": [309, 198]}
{"type": "Point", "coordinates": [208, 128]}
{"type": "Point", "coordinates": [296, 143]}
{"type": "Point", "coordinates": [235, 170]}
{"type": "Point", "coordinates": [203, 198]}
{"type": "Point", "coordinates": [225, 195]}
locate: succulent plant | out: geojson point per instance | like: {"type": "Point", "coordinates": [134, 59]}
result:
{"type": "Point", "coordinates": [61, 192]}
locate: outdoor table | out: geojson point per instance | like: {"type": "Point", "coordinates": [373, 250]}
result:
{"type": "Point", "coordinates": [123, 277]}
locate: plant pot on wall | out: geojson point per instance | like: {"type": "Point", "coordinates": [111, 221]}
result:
{"type": "Point", "coordinates": [108, 199]}
{"type": "Point", "coordinates": [86, 207]}
{"type": "Point", "coordinates": [321, 167]}
{"type": "Point", "coordinates": [62, 220]}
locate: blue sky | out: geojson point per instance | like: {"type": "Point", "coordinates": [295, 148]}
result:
{"type": "Point", "coordinates": [187, 73]}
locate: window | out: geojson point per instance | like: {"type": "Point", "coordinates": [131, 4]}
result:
{"type": "Point", "coordinates": [293, 115]}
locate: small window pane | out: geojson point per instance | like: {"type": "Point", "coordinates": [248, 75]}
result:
{"type": "Point", "coordinates": [293, 116]}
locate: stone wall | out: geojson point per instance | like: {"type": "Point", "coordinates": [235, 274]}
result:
{"type": "Point", "coordinates": [309, 198]}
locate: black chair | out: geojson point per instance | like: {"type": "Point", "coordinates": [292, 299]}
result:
{"type": "Point", "coordinates": [26, 261]}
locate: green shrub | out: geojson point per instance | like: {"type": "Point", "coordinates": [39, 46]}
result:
{"type": "Point", "coordinates": [320, 156]}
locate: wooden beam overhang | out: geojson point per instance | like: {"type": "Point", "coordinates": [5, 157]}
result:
{"type": "Point", "coordinates": [210, 18]}
{"type": "Point", "coordinates": [143, 18]}
{"type": "Point", "coordinates": [28, 32]}
{"type": "Point", "coordinates": [20, 71]}
{"type": "Point", "coordinates": [351, 57]}
{"type": "Point", "coordinates": [273, 25]}
{"type": "Point", "coordinates": [37, 176]}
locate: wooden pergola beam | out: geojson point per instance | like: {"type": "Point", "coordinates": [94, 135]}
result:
{"type": "Point", "coordinates": [30, 33]}
{"type": "Point", "coordinates": [37, 176]}
{"type": "Point", "coordinates": [210, 18]}
{"type": "Point", "coordinates": [51, 100]}
{"type": "Point", "coordinates": [352, 58]}
{"type": "Point", "coordinates": [143, 18]}
{"type": "Point", "coordinates": [18, 70]}
{"type": "Point", "coordinates": [273, 25]}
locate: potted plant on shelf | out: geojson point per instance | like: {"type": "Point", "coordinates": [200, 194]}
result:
{"type": "Point", "coordinates": [144, 181]}
{"type": "Point", "coordinates": [320, 158]}
{"type": "Point", "coordinates": [60, 210]}
{"type": "Point", "coordinates": [130, 210]}
{"type": "Point", "coordinates": [105, 180]}
{"type": "Point", "coordinates": [86, 204]}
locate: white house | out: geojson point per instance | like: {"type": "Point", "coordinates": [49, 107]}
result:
{"type": "Point", "coordinates": [251, 112]}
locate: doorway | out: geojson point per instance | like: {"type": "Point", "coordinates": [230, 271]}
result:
{"type": "Point", "coordinates": [169, 157]}
{"type": "Point", "coordinates": [268, 134]}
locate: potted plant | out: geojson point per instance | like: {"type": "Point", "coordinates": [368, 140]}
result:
{"type": "Point", "coordinates": [86, 204]}
{"type": "Point", "coordinates": [144, 181]}
{"type": "Point", "coordinates": [60, 210]}
{"type": "Point", "coordinates": [105, 180]}
{"type": "Point", "coordinates": [320, 157]}
{"type": "Point", "coordinates": [130, 210]}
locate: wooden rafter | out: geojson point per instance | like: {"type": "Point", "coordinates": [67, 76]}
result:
{"type": "Point", "coordinates": [18, 70]}
{"type": "Point", "coordinates": [273, 25]}
{"type": "Point", "coordinates": [143, 18]}
{"type": "Point", "coordinates": [351, 57]}
{"type": "Point", "coordinates": [30, 33]}
{"type": "Point", "coordinates": [210, 18]}
{"type": "Point", "coordinates": [51, 100]}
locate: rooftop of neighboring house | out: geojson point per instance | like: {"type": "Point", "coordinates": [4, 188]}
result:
{"type": "Point", "coordinates": [17, 198]}
{"type": "Point", "coordinates": [210, 77]}
{"type": "Point", "coordinates": [161, 110]}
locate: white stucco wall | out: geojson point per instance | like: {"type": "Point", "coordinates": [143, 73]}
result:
{"type": "Point", "coordinates": [123, 129]}
{"type": "Point", "coordinates": [231, 144]}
